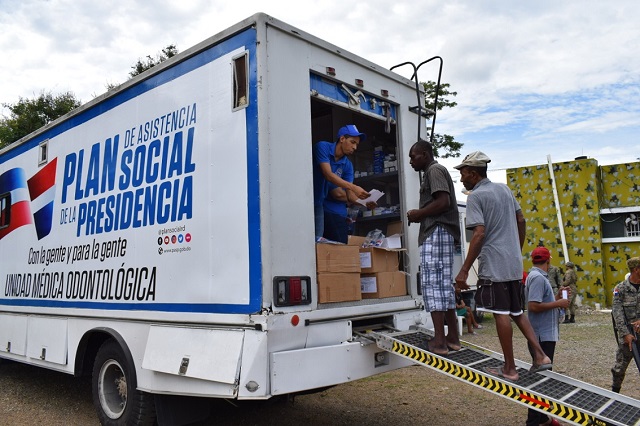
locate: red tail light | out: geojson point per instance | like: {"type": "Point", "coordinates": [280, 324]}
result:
{"type": "Point", "coordinates": [291, 291]}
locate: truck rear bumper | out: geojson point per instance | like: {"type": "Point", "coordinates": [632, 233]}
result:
{"type": "Point", "coordinates": [304, 369]}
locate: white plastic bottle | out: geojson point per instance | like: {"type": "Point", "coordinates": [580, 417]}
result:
{"type": "Point", "coordinates": [562, 311]}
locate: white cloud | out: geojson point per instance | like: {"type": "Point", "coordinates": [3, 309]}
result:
{"type": "Point", "coordinates": [532, 77]}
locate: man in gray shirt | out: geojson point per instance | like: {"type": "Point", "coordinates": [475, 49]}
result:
{"type": "Point", "coordinates": [543, 313]}
{"type": "Point", "coordinates": [498, 227]}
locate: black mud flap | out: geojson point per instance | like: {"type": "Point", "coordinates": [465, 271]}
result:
{"type": "Point", "coordinates": [173, 410]}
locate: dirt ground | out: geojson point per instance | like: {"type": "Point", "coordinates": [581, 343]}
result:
{"type": "Point", "coordinates": [414, 395]}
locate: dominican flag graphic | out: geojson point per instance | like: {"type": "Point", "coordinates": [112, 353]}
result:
{"type": "Point", "coordinates": [26, 196]}
{"type": "Point", "coordinates": [15, 208]}
{"type": "Point", "coordinates": [42, 189]}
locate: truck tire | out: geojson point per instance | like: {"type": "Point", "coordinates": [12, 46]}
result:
{"type": "Point", "coordinates": [115, 395]}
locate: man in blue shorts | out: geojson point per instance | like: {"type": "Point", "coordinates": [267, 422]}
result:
{"type": "Point", "coordinates": [498, 227]}
{"type": "Point", "coordinates": [331, 165]}
{"type": "Point", "coordinates": [439, 234]}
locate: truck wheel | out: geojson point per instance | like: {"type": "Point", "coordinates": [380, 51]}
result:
{"type": "Point", "coordinates": [115, 397]}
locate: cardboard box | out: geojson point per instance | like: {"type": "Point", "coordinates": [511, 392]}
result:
{"type": "Point", "coordinates": [337, 258]}
{"type": "Point", "coordinates": [355, 240]}
{"type": "Point", "coordinates": [374, 259]}
{"type": "Point", "coordinates": [394, 228]}
{"type": "Point", "coordinates": [383, 284]}
{"type": "Point", "coordinates": [392, 242]}
{"type": "Point", "coordinates": [339, 287]}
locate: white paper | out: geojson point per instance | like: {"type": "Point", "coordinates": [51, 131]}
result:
{"type": "Point", "coordinates": [373, 197]}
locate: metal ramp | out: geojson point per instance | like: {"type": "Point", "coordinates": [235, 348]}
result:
{"type": "Point", "coordinates": [552, 393]}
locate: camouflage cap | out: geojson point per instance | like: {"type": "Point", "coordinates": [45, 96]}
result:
{"type": "Point", "coordinates": [633, 263]}
{"type": "Point", "coordinates": [569, 264]}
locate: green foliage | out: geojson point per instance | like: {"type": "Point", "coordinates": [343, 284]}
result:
{"type": "Point", "coordinates": [28, 115]}
{"type": "Point", "coordinates": [444, 146]}
{"type": "Point", "coordinates": [149, 62]}
{"type": "Point", "coordinates": [430, 92]}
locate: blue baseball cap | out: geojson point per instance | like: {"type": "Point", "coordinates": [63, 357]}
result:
{"type": "Point", "coordinates": [351, 130]}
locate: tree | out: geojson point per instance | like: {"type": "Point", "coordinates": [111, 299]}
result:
{"type": "Point", "coordinates": [28, 115]}
{"type": "Point", "coordinates": [141, 66]}
{"type": "Point", "coordinates": [441, 143]}
{"type": "Point", "coordinates": [149, 62]}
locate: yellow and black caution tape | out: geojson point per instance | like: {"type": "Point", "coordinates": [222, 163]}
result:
{"type": "Point", "coordinates": [496, 385]}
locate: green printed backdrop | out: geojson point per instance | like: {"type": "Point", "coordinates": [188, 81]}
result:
{"type": "Point", "coordinates": [584, 189]}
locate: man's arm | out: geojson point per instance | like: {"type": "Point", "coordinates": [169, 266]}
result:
{"type": "Point", "coordinates": [325, 168]}
{"type": "Point", "coordinates": [534, 306]}
{"type": "Point", "coordinates": [522, 227]}
{"type": "Point", "coordinates": [339, 194]}
{"type": "Point", "coordinates": [440, 204]}
{"type": "Point", "coordinates": [348, 197]}
{"type": "Point", "coordinates": [617, 311]}
{"type": "Point", "coordinates": [475, 245]}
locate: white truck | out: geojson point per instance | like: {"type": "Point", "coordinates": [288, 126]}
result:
{"type": "Point", "coordinates": [161, 237]}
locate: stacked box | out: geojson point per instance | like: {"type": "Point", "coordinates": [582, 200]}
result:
{"type": "Point", "coordinates": [338, 267]}
{"type": "Point", "coordinates": [380, 275]}
{"type": "Point", "coordinates": [338, 287]}
{"type": "Point", "coordinates": [383, 284]}
{"type": "Point", "coordinates": [337, 258]}
{"type": "Point", "coordinates": [394, 228]}
{"type": "Point", "coordinates": [378, 160]}
{"type": "Point", "coordinates": [374, 259]}
{"type": "Point", "coordinates": [355, 240]}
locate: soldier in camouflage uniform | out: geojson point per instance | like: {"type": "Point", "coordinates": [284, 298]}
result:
{"type": "Point", "coordinates": [571, 280]}
{"type": "Point", "coordinates": [555, 278]}
{"type": "Point", "coordinates": [626, 312]}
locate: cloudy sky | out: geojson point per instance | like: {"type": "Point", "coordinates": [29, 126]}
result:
{"type": "Point", "coordinates": [534, 78]}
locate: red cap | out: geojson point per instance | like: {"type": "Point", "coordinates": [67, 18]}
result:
{"type": "Point", "coordinates": [540, 255]}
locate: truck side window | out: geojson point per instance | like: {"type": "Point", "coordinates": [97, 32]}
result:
{"type": "Point", "coordinates": [240, 82]}
{"type": "Point", "coordinates": [43, 152]}
{"type": "Point", "coordinates": [5, 210]}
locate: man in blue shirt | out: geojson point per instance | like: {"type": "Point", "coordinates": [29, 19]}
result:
{"type": "Point", "coordinates": [331, 165]}
{"type": "Point", "coordinates": [543, 313]}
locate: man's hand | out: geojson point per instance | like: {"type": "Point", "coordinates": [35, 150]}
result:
{"type": "Point", "coordinates": [567, 289]}
{"type": "Point", "coordinates": [562, 302]}
{"type": "Point", "coordinates": [360, 192]}
{"type": "Point", "coordinates": [372, 205]}
{"type": "Point", "coordinates": [461, 280]}
{"type": "Point", "coordinates": [628, 340]}
{"type": "Point", "coordinates": [413, 216]}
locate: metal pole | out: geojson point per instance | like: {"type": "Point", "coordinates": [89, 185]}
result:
{"type": "Point", "coordinates": [558, 212]}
